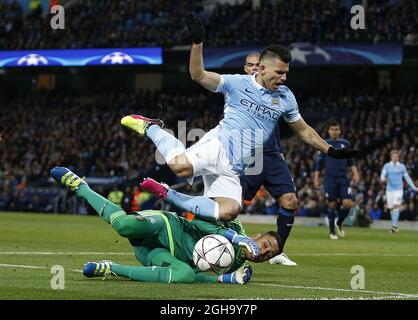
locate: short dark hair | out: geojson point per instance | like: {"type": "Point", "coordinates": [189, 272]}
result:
{"type": "Point", "coordinates": [277, 51]}
{"type": "Point", "coordinates": [332, 123]}
{"type": "Point", "coordinates": [278, 238]}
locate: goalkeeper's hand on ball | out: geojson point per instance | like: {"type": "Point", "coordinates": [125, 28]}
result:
{"type": "Point", "coordinates": [195, 26]}
{"type": "Point", "coordinates": [241, 276]}
{"type": "Point", "coordinates": [243, 241]}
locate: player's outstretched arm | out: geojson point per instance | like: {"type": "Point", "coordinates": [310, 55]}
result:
{"type": "Point", "coordinates": [319, 163]}
{"type": "Point", "coordinates": [316, 180]}
{"type": "Point", "coordinates": [383, 174]}
{"type": "Point", "coordinates": [311, 137]}
{"type": "Point", "coordinates": [409, 181]}
{"type": "Point", "coordinates": [209, 80]}
{"type": "Point", "coordinates": [243, 241]}
{"type": "Point", "coordinates": [355, 174]}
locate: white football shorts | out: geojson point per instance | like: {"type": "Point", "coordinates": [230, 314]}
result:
{"type": "Point", "coordinates": [209, 159]}
{"type": "Point", "coordinates": [394, 198]}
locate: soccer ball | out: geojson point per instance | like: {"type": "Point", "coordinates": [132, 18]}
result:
{"type": "Point", "coordinates": [213, 253]}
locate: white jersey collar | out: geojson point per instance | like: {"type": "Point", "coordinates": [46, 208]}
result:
{"type": "Point", "coordinates": [257, 85]}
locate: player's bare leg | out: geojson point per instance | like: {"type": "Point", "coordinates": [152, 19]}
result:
{"type": "Point", "coordinates": [181, 166]}
{"type": "Point", "coordinates": [228, 208]}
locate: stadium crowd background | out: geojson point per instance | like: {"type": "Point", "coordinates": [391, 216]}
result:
{"type": "Point", "coordinates": [147, 23]}
{"type": "Point", "coordinates": [36, 134]}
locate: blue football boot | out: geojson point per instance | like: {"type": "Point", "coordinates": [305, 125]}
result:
{"type": "Point", "coordinates": [67, 178]}
{"type": "Point", "coordinates": [98, 269]}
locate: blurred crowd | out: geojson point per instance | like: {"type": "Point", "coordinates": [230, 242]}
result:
{"type": "Point", "coordinates": [129, 23]}
{"type": "Point", "coordinates": [37, 133]}
{"type": "Point", "coordinates": [83, 133]}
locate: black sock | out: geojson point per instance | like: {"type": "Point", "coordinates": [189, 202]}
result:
{"type": "Point", "coordinates": [342, 214]}
{"type": "Point", "coordinates": [285, 221]}
{"type": "Point", "coordinates": [331, 220]}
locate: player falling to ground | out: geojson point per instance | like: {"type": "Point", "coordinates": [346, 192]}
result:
{"type": "Point", "coordinates": [393, 174]}
{"type": "Point", "coordinates": [337, 184]}
{"type": "Point", "coordinates": [253, 106]}
{"type": "Point", "coordinates": [164, 242]}
{"type": "Point", "coordinates": [275, 177]}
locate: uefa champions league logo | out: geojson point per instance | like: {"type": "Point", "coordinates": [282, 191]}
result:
{"type": "Point", "coordinates": [302, 51]}
{"type": "Point", "coordinates": [32, 59]}
{"type": "Point", "coordinates": [117, 58]}
{"type": "Point", "coordinates": [80, 57]}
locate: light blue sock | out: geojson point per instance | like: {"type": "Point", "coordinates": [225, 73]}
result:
{"type": "Point", "coordinates": [168, 145]}
{"type": "Point", "coordinates": [394, 213]}
{"type": "Point", "coordinates": [198, 205]}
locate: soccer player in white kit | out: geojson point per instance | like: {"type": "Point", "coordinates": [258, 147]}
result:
{"type": "Point", "coordinates": [253, 106]}
{"type": "Point", "coordinates": [393, 174]}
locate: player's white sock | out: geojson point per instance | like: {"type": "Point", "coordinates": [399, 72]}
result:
{"type": "Point", "coordinates": [168, 145]}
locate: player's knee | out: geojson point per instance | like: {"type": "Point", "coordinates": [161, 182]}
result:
{"type": "Point", "coordinates": [229, 211]}
{"type": "Point", "coordinates": [181, 166]}
{"type": "Point", "coordinates": [183, 274]}
{"type": "Point", "coordinates": [347, 203]}
{"type": "Point", "coordinates": [119, 228]}
{"type": "Point", "coordinates": [181, 169]}
{"type": "Point", "coordinates": [289, 201]}
{"type": "Point", "coordinates": [332, 204]}
{"type": "Point", "coordinates": [122, 227]}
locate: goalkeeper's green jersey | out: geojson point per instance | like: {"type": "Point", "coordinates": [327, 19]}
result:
{"type": "Point", "coordinates": [179, 236]}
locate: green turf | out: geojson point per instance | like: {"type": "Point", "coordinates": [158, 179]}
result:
{"type": "Point", "coordinates": [390, 262]}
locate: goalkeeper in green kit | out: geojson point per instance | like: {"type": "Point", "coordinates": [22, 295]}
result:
{"type": "Point", "coordinates": [163, 242]}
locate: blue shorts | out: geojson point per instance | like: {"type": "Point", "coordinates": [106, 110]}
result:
{"type": "Point", "coordinates": [337, 188]}
{"type": "Point", "coordinates": [276, 178]}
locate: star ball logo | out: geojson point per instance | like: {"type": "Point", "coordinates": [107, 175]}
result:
{"type": "Point", "coordinates": [117, 58]}
{"type": "Point", "coordinates": [304, 53]}
{"type": "Point", "coordinates": [32, 59]}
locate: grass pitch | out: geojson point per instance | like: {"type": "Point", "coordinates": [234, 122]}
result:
{"type": "Point", "coordinates": [30, 244]}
